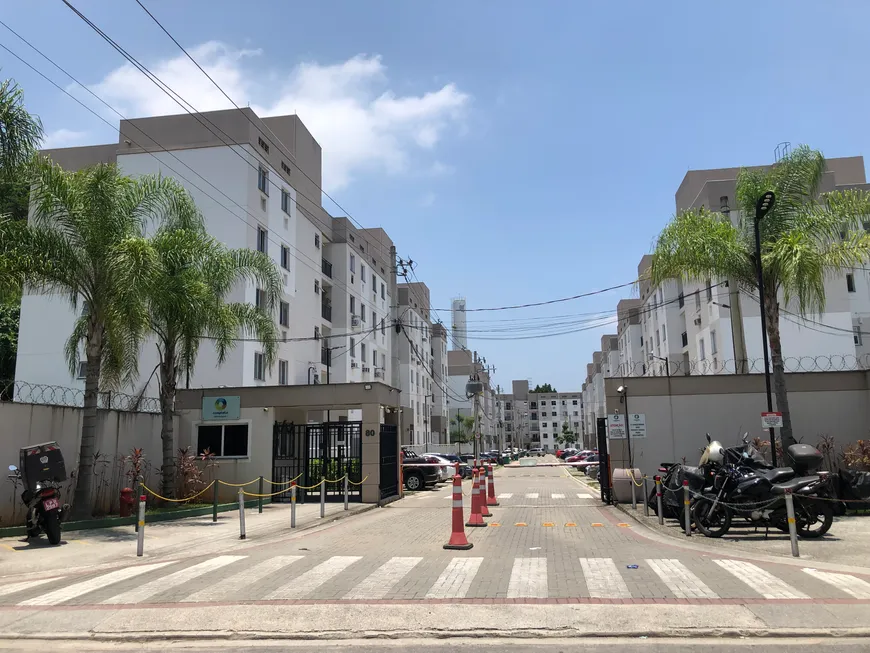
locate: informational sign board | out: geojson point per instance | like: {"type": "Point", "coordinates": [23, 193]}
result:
{"type": "Point", "coordinates": [771, 420]}
{"type": "Point", "coordinates": [637, 425]}
{"type": "Point", "coordinates": [616, 427]}
{"type": "Point", "coordinates": [217, 408]}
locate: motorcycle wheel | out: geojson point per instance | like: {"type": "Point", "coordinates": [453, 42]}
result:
{"type": "Point", "coordinates": [711, 525]}
{"type": "Point", "coordinates": [51, 523]}
{"type": "Point", "coordinates": [813, 518]}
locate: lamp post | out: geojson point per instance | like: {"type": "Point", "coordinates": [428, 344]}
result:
{"type": "Point", "coordinates": [623, 398]}
{"type": "Point", "coordinates": [762, 208]}
{"type": "Point", "coordinates": [666, 362]}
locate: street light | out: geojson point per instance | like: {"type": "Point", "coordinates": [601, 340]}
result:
{"type": "Point", "coordinates": [762, 208]}
{"type": "Point", "coordinates": [666, 361]}
{"type": "Point", "coordinates": [623, 399]}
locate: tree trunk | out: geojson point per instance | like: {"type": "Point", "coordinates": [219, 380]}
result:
{"type": "Point", "coordinates": [82, 499]}
{"type": "Point", "coordinates": [167, 434]}
{"type": "Point", "coordinates": [771, 306]}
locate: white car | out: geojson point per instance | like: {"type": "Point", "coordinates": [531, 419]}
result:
{"type": "Point", "coordinates": [446, 472]}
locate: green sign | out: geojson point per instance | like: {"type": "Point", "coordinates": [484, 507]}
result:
{"type": "Point", "coordinates": [221, 408]}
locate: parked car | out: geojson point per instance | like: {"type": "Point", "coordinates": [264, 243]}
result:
{"type": "Point", "coordinates": [464, 467]}
{"type": "Point", "coordinates": [420, 472]}
{"type": "Point", "coordinates": [592, 471]}
{"type": "Point", "coordinates": [564, 454]}
{"type": "Point", "coordinates": [586, 462]}
{"type": "Point", "coordinates": [536, 451]}
{"type": "Point", "coordinates": [448, 469]}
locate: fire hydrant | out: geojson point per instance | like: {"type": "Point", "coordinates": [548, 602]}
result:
{"type": "Point", "coordinates": [126, 508]}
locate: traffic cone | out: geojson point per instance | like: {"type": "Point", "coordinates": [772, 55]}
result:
{"type": "Point", "coordinates": [475, 518]}
{"type": "Point", "coordinates": [490, 488]}
{"type": "Point", "coordinates": [457, 534]}
{"type": "Point", "coordinates": [484, 510]}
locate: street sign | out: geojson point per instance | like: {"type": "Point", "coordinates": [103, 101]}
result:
{"type": "Point", "coordinates": [637, 425]}
{"type": "Point", "coordinates": [616, 427]}
{"type": "Point", "coordinates": [771, 420]}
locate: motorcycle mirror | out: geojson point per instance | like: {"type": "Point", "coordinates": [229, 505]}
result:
{"type": "Point", "coordinates": [13, 468]}
{"type": "Point", "coordinates": [708, 438]}
{"type": "Point", "coordinates": [746, 437]}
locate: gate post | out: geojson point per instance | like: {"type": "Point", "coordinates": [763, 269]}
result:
{"type": "Point", "coordinates": [322, 497]}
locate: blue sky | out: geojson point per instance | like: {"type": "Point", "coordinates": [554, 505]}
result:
{"type": "Point", "coordinates": [519, 152]}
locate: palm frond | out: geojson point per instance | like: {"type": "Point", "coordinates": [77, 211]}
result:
{"type": "Point", "coordinates": [20, 131]}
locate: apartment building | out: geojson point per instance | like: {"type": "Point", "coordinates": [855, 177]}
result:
{"type": "Point", "coordinates": [605, 363]}
{"type": "Point", "coordinates": [257, 183]}
{"type": "Point", "coordinates": [535, 419]}
{"type": "Point", "coordinates": [630, 334]}
{"type": "Point", "coordinates": [438, 350]}
{"type": "Point", "coordinates": [459, 323]}
{"type": "Point", "coordinates": [461, 365]}
{"type": "Point", "coordinates": [514, 408]}
{"type": "Point", "coordinates": [416, 365]}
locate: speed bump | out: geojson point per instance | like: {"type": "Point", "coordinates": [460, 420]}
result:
{"type": "Point", "coordinates": [520, 523]}
{"type": "Point", "coordinates": [624, 525]}
{"type": "Point", "coordinates": [548, 524]}
{"type": "Point", "coordinates": [570, 524]}
{"type": "Point", "coordinates": [597, 525]}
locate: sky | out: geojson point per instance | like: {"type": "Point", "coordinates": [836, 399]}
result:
{"type": "Point", "coordinates": [518, 152]}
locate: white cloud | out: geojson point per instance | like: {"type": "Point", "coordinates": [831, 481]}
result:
{"type": "Point", "coordinates": [63, 138]}
{"type": "Point", "coordinates": [362, 125]}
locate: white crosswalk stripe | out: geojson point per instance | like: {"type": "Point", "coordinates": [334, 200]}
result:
{"type": "Point", "coordinates": [229, 587]}
{"type": "Point", "coordinates": [528, 579]}
{"type": "Point", "coordinates": [682, 582]}
{"type": "Point", "coordinates": [78, 589]}
{"type": "Point", "coordinates": [584, 495]}
{"type": "Point", "coordinates": [763, 582]}
{"type": "Point", "coordinates": [505, 495]}
{"type": "Point", "coordinates": [531, 495]}
{"type": "Point", "coordinates": [455, 581]}
{"type": "Point", "coordinates": [146, 591]}
{"type": "Point", "coordinates": [383, 579]}
{"type": "Point", "coordinates": [558, 496]}
{"type": "Point", "coordinates": [603, 580]}
{"type": "Point", "coordinates": [12, 588]}
{"type": "Point", "coordinates": [859, 589]}
{"type": "Point", "coordinates": [314, 578]}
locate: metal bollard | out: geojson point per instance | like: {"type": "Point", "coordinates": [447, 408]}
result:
{"type": "Point", "coordinates": [293, 505]}
{"type": "Point", "coordinates": [792, 527]}
{"type": "Point", "coordinates": [645, 498]}
{"type": "Point", "coordinates": [345, 492]}
{"type": "Point", "coordinates": [686, 513]}
{"type": "Point", "coordinates": [260, 498]}
{"type": "Point", "coordinates": [241, 514]}
{"type": "Point", "coordinates": [633, 490]}
{"type": "Point", "coordinates": [214, 502]}
{"type": "Point", "coordinates": [659, 510]}
{"type": "Point", "coordinates": [140, 542]}
{"type": "Point", "coordinates": [323, 498]}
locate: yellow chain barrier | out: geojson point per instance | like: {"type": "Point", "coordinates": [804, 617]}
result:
{"type": "Point", "coordinates": [326, 480]}
{"type": "Point", "coordinates": [266, 480]}
{"type": "Point", "coordinates": [631, 476]}
{"type": "Point", "coordinates": [360, 483]}
{"type": "Point", "coordinates": [207, 487]}
{"type": "Point", "coordinates": [310, 487]}
{"type": "Point", "coordinates": [239, 484]}
{"type": "Point", "coordinates": [251, 494]}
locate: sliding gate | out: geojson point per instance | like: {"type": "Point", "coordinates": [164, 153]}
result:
{"type": "Point", "coordinates": [313, 452]}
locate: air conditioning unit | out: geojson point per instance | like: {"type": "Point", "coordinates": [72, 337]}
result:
{"type": "Point", "coordinates": [354, 365]}
{"type": "Point", "coordinates": [366, 370]}
{"type": "Point", "coordinates": [379, 374]}
{"type": "Point", "coordinates": [698, 321]}
{"type": "Point", "coordinates": [355, 321]}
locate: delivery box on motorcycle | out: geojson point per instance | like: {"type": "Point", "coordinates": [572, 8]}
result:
{"type": "Point", "coordinates": [807, 459]}
{"type": "Point", "coordinates": [41, 462]}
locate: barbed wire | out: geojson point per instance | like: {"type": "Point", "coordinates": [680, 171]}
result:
{"type": "Point", "coordinates": [57, 395]}
{"type": "Point", "coordinates": [714, 366]}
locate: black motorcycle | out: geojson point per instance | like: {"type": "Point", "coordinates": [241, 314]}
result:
{"type": "Point", "coordinates": [45, 512]}
{"type": "Point", "coordinates": [758, 495]}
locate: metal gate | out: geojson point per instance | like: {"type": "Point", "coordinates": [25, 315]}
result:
{"type": "Point", "coordinates": [389, 484]}
{"type": "Point", "coordinates": [316, 451]}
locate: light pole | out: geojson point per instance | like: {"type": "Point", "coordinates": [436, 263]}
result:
{"type": "Point", "coordinates": [762, 208]}
{"type": "Point", "coordinates": [666, 362]}
{"type": "Point", "coordinates": [623, 399]}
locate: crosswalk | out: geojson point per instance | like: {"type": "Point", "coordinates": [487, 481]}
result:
{"type": "Point", "coordinates": [229, 578]}
{"type": "Point", "coordinates": [535, 495]}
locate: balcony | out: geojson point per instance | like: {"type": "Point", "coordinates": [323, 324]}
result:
{"type": "Point", "coordinates": [326, 267]}
{"type": "Point", "coordinates": [325, 356]}
{"type": "Point", "coordinates": [326, 311]}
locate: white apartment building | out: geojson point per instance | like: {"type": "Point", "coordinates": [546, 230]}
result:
{"type": "Point", "coordinates": [552, 410]}
{"type": "Point", "coordinates": [630, 334]}
{"type": "Point", "coordinates": [440, 414]}
{"type": "Point", "coordinates": [605, 363]}
{"type": "Point", "coordinates": [416, 363]}
{"type": "Point", "coordinates": [258, 186]}
{"type": "Point", "coordinates": [460, 323]}
{"type": "Point", "coordinates": [461, 364]}
{"type": "Point", "coordinates": [514, 409]}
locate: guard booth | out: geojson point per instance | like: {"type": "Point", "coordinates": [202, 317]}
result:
{"type": "Point", "coordinates": [285, 432]}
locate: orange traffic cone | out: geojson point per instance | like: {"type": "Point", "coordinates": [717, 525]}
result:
{"type": "Point", "coordinates": [484, 510]}
{"type": "Point", "coordinates": [490, 488]}
{"type": "Point", "coordinates": [475, 519]}
{"type": "Point", "coordinates": [457, 534]}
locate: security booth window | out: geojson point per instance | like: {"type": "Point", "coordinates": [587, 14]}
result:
{"type": "Point", "coordinates": [223, 440]}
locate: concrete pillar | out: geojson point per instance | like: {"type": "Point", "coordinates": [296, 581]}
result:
{"type": "Point", "coordinates": [371, 453]}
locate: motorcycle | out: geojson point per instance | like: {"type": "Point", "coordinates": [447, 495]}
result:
{"type": "Point", "coordinates": [757, 493]}
{"type": "Point", "coordinates": [44, 509]}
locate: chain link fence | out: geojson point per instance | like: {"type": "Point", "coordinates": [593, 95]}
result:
{"type": "Point", "coordinates": [56, 395]}
{"type": "Point", "coordinates": [713, 366]}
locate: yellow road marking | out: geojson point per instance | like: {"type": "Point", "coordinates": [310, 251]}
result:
{"type": "Point", "coordinates": [597, 524]}
{"type": "Point", "coordinates": [570, 524]}
{"type": "Point", "coordinates": [519, 523]}
{"type": "Point", "coordinates": [547, 524]}
{"type": "Point", "coordinates": [624, 525]}
{"type": "Point", "coordinates": [6, 546]}
{"type": "Point", "coordinates": [81, 542]}
{"type": "Point", "coordinates": [495, 523]}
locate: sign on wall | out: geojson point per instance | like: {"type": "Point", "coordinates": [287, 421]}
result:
{"type": "Point", "coordinates": [222, 407]}
{"type": "Point", "coordinates": [637, 425]}
{"type": "Point", "coordinates": [771, 420]}
{"type": "Point", "coordinates": [616, 427]}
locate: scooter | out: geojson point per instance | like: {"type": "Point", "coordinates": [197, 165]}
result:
{"type": "Point", "coordinates": [44, 509]}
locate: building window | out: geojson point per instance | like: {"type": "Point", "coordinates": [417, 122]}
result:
{"type": "Point", "coordinates": [284, 314]}
{"type": "Point", "coordinates": [286, 201]}
{"type": "Point", "coordinates": [362, 352]}
{"type": "Point", "coordinates": [285, 168]}
{"type": "Point", "coordinates": [263, 180]}
{"type": "Point", "coordinates": [574, 403]}
{"type": "Point", "coordinates": [552, 403]}
{"type": "Point", "coordinates": [533, 404]}
{"type": "Point", "coordinates": [713, 347]}
{"type": "Point", "coordinates": [223, 440]}
{"type": "Point", "coordinates": [553, 414]}
{"type": "Point", "coordinates": [684, 338]}
{"type": "Point", "coordinates": [858, 340]}
{"type": "Point", "coordinates": [362, 312]}
{"type": "Point", "coordinates": [658, 340]}
{"type": "Point", "coordinates": [316, 287]}
{"type": "Point", "coordinates": [262, 240]}
{"type": "Point", "coordinates": [374, 357]}
{"type": "Point", "coordinates": [353, 263]}
{"type": "Point", "coordinates": [282, 372]}
{"type": "Point", "coordinates": [383, 326]}
{"type": "Point", "coordinates": [259, 366]}
{"type": "Point", "coordinates": [362, 273]}
{"type": "Point", "coordinates": [850, 282]}
{"type": "Point", "coordinates": [83, 369]}
{"type": "Point", "coordinates": [352, 305]}
{"type": "Point", "coordinates": [260, 299]}
{"type": "Point", "coordinates": [703, 349]}
{"type": "Point", "coordinates": [543, 425]}
{"type": "Point", "coordinates": [709, 290]}
{"type": "Point", "coordinates": [317, 333]}
{"type": "Point", "coordinates": [374, 282]}
{"type": "Point", "coordinates": [664, 334]}
{"type": "Point", "coordinates": [383, 292]}
{"type": "Point", "coordinates": [285, 257]}
{"type": "Point", "coordinates": [317, 241]}
{"type": "Point", "coordinates": [353, 347]}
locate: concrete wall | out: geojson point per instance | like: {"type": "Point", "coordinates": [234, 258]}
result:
{"type": "Point", "coordinates": [117, 433]}
{"type": "Point", "coordinates": [681, 410]}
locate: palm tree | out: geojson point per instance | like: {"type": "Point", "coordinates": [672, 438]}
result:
{"type": "Point", "coordinates": [806, 238]}
{"type": "Point", "coordinates": [462, 431]}
{"type": "Point", "coordinates": [72, 248]}
{"type": "Point", "coordinates": [186, 277]}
